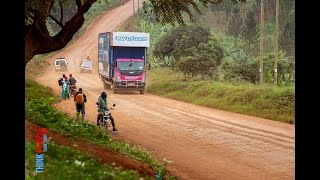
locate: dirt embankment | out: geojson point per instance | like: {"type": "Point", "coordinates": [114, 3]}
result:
{"type": "Point", "coordinates": [105, 155]}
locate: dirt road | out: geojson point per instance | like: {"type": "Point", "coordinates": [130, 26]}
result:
{"type": "Point", "coordinates": [203, 143]}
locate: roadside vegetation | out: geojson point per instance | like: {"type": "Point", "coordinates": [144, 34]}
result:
{"type": "Point", "coordinates": [214, 61]}
{"type": "Point", "coordinates": [266, 101]}
{"type": "Point", "coordinates": [66, 163]}
{"type": "Point", "coordinates": [39, 110]}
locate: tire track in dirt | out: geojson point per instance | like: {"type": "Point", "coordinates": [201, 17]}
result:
{"type": "Point", "coordinates": [263, 135]}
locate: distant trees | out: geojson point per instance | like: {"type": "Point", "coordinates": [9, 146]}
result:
{"type": "Point", "coordinates": [215, 8]}
{"type": "Point", "coordinates": [38, 13]}
{"type": "Point", "coordinates": [193, 49]}
{"type": "Point", "coordinates": [228, 6]}
{"type": "Point", "coordinates": [287, 26]}
{"type": "Point", "coordinates": [250, 29]}
{"type": "Point", "coordinates": [234, 25]}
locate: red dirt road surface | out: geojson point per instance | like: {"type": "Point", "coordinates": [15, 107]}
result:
{"type": "Point", "coordinates": [203, 143]}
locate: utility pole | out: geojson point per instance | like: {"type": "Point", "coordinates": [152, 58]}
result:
{"type": "Point", "coordinates": [275, 65]}
{"type": "Point", "coordinates": [261, 40]}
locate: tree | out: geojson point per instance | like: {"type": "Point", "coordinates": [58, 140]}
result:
{"type": "Point", "coordinates": [250, 29]}
{"type": "Point", "coordinates": [287, 36]}
{"type": "Point", "coordinates": [235, 23]}
{"type": "Point", "coordinates": [228, 6]}
{"type": "Point", "coordinates": [170, 11]}
{"type": "Point", "coordinates": [215, 8]}
{"type": "Point", "coordinates": [285, 8]}
{"type": "Point", "coordinates": [276, 44]}
{"type": "Point", "coordinates": [261, 41]}
{"type": "Point", "coordinates": [37, 37]}
{"type": "Point", "coordinates": [37, 12]}
{"type": "Point", "coordinates": [179, 41]}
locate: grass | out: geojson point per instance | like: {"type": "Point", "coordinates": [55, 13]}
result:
{"type": "Point", "coordinates": [62, 162]}
{"type": "Point", "coordinates": [39, 110]}
{"type": "Point", "coordinates": [266, 101]}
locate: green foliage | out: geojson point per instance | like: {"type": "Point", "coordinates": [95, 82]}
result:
{"type": "Point", "coordinates": [170, 11]}
{"type": "Point", "coordinates": [228, 6]}
{"type": "Point", "coordinates": [215, 7]}
{"type": "Point", "coordinates": [39, 110]}
{"type": "Point", "coordinates": [66, 163]}
{"type": "Point", "coordinates": [156, 32]}
{"type": "Point", "coordinates": [287, 34]}
{"type": "Point", "coordinates": [240, 71]}
{"type": "Point", "coordinates": [250, 29]}
{"type": "Point", "coordinates": [193, 49]}
{"type": "Point", "coordinates": [236, 55]}
{"type": "Point", "coordinates": [166, 61]}
{"type": "Point", "coordinates": [180, 40]}
{"type": "Point", "coordinates": [286, 71]}
{"type": "Point", "coordinates": [195, 65]}
{"type": "Point", "coordinates": [163, 172]}
{"type": "Point", "coordinates": [266, 101]}
{"type": "Point", "coordinates": [247, 69]}
{"type": "Point", "coordinates": [235, 24]}
{"type": "Point", "coordinates": [147, 13]}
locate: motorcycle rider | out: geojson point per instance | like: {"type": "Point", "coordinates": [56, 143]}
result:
{"type": "Point", "coordinates": [103, 105]}
{"type": "Point", "coordinates": [72, 82]}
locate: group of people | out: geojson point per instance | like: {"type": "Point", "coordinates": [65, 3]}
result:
{"type": "Point", "coordinates": [66, 85]}
{"type": "Point", "coordinates": [80, 99]}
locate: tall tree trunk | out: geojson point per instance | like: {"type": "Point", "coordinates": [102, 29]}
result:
{"type": "Point", "coordinates": [235, 42]}
{"type": "Point", "coordinates": [275, 65]}
{"type": "Point", "coordinates": [261, 40]}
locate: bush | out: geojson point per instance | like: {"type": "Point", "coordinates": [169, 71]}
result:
{"type": "Point", "coordinates": [195, 65]}
{"type": "Point", "coordinates": [180, 40]}
{"type": "Point", "coordinates": [248, 69]}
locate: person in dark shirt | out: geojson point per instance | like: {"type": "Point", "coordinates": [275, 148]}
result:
{"type": "Point", "coordinates": [79, 100]}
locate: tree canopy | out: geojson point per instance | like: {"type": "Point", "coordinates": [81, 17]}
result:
{"type": "Point", "coordinates": [37, 37]}
{"type": "Point", "coordinates": [38, 12]}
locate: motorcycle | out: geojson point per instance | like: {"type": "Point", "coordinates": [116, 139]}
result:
{"type": "Point", "coordinates": [73, 90]}
{"type": "Point", "coordinates": [104, 119]}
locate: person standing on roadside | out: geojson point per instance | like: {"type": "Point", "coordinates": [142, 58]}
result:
{"type": "Point", "coordinates": [79, 100]}
{"type": "Point", "coordinates": [65, 89]}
